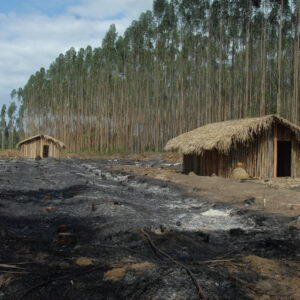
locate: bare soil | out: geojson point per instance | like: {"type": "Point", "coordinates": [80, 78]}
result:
{"type": "Point", "coordinates": [10, 153]}
{"type": "Point", "coordinates": [139, 229]}
{"type": "Point", "coordinates": [280, 196]}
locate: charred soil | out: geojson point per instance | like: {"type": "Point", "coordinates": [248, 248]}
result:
{"type": "Point", "coordinates": [74, 229]}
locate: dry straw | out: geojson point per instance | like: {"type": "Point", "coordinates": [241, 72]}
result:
{"type": "Point", "coordinates": [223, 136]}
{"type": "Point", "coordinates": [44, 136]}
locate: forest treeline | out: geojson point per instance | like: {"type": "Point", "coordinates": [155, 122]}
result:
{"type": "Point", "coordinates": [184, 64]}
{"type": "Point", "coordinates": [9, 125]}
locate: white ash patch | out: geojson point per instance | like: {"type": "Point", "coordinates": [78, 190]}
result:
{"type": "Point", "coordinates": [214, 219]}
{"type": "Point", "coordinates": [147, 188]}
{"type": "Point", "coordinates": [187, 203]}
{"type": "Point", "coordinates": [217, 213]}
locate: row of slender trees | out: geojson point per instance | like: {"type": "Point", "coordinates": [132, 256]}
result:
{"type": "Point", "coordinates": [9, 124]}
{"type": "Point", "coordinates": [184, 64]}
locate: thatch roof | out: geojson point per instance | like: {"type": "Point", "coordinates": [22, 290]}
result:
{"type": "Point", "coordinates": [49, 138]}
{"type": "Point", "coordinates": [223, 135]}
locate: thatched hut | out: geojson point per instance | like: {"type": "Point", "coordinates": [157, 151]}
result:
{"type": "Point", "coordinates": [267, 147]}
{"type": "Point", "coordinates": [41, 145]}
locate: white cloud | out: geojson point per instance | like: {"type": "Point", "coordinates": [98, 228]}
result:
{"type": "Point", "coordinates": [110, 8]}
{"type": "Point", "coordinates": [29, 42]}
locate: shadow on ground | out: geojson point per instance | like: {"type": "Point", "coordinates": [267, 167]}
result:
{"type": "Point", "coordinates": [76, 230]}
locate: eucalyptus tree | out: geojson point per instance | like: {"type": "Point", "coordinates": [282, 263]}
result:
{"type": "Point", "coordinates": [3, 126]}
{"type": "Point", "coordinates": [11, 123]}
{"type": "Point", "coordinates": [19, 122]}
{"type": "Point", "coordinates": [183, 64]}
{"type": "Point", "coordinates": [296, 81]}
{"type": "Point", "coordinates": [279, 59]}
{"type": "Point", "coordinates": [263, 57]}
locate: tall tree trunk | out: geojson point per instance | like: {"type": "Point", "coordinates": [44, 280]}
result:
{"type": "Point", "coordinates": [220, 86]}
{"type": "Point", "coordinates": [247, 87]}
{"type": "Point", "coordinates": [3, 138]}
{"type": "Point", "coordinates": [295, 107]}
{"type": "Point", "coordinates": [278, 110]}
{"type": "Point", "coordinates": [263, 65]}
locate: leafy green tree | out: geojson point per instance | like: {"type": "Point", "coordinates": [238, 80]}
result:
{"type": "Point", "coordinates": [184, 64]}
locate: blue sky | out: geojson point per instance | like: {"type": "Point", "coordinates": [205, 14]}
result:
{"type": "Point", "coordinates": [49, 8]}
{"type": "Point", "coordinates": [34, 32]}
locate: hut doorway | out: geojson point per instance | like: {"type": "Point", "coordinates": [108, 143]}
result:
{"type": "Point", "coordinates": [283, 158]}
{"type": "Point", "coordinates": [45, 151]}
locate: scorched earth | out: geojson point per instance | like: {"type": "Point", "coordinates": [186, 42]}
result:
{"type": "Point", "coordinates": [74, 229]}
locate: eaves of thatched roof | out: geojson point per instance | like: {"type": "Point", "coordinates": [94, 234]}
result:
{"type": "Point", "coordinates": [60, 144]}
{"type": "Point", "coordinates": [223, 135]}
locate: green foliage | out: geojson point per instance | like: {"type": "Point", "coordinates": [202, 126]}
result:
{"type": "Point", "coordinates": [184, 64]}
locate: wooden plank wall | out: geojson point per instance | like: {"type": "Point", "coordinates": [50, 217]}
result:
{"type": "Point", "coordinates": [35, 147]}
{"type": "Point", "coordinates": [259, 156]}
{"type": "Point", "coordinates": [275, 150]}
{"type": "Point", "coordinates": [283, 133]}
{"type": "Point", "coordinates": [295, 159]}
{"type": "Point", "coordinates": [209, 163]}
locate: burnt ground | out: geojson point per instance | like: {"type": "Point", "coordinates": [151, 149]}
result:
{"type": "Point", "coordinates": [273, 196]}
{"type": "Point", "coordinates": [74, 229]}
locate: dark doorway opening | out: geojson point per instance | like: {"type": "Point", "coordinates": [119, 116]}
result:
{"type": "Point", "coordinates": [283, 159]}
{"type": "Point", "coordinates": [45, 151]}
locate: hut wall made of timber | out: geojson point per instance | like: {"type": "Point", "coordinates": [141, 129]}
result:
{"type": "Point", "coordinates": [295, 157]}
{"type": "Point", "coordinates": [34, 148]}
{"type": "Point", "coordinates": [258, 156]}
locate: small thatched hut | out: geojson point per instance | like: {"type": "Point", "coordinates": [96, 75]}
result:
{"type": "Point", "coordinates": [267, 147]}
{"type": "Point", "coordinates": [41, 145]}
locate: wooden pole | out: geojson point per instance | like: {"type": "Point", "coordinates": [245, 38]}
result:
{"type": "Point", "coordinates": [41, 148]}
{"type": "Point", "coordinates": [275, 151]}
{"type": "Point", "coordinates": [262, 173]}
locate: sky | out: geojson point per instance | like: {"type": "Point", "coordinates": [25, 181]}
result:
{"type": "Point", "coordinates": [34, 32]}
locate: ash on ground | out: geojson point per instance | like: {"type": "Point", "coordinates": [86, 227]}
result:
{"type": "Point", "coordinates": [72, 229]}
